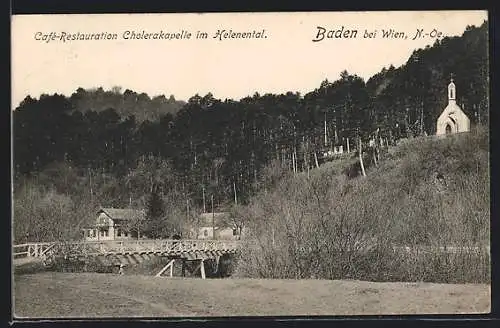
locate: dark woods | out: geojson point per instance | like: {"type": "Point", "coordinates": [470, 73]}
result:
{"type": "Point", "coordinates": [121, 149]}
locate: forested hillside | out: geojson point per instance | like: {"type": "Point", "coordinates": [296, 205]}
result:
{"type": "Point", "coordinates": [115, 149]}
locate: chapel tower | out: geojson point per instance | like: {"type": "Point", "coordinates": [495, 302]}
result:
{"type": "Point", "coordinates": [452, 119]}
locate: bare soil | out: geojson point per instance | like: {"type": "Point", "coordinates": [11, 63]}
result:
{"type": "Point", "coordinates": [76, 295]}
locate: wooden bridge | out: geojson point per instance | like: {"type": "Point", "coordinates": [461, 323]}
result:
{"type": "Point", "coordinates": [125, 252]}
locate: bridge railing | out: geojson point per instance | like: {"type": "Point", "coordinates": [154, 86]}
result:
{"type": "Point", "coordinates": [178, 246]}
{"type": "Point", "coordinates": [443, 249]}
{"type": "Point", "coordinates": [124, 246]}
{"type": "Point", "coordinates": [166, 245]}
{"type": "Point", "coordinates": [31, 249]}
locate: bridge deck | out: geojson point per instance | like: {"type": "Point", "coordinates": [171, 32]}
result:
{"type": "Point", "coordinates": [115, 247]}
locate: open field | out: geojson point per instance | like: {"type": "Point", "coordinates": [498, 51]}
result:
{"type": "Point", "coordinates": [105, 295]}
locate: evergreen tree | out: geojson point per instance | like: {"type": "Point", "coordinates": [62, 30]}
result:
{"type": "Point", "coordinates": [155, 224]}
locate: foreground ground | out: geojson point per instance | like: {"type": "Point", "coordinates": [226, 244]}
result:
{"type": "Point", "coordinates": [106, 295]}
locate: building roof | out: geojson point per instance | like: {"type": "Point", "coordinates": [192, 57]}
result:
{"type": "Point", "coordinates": [121, 213]}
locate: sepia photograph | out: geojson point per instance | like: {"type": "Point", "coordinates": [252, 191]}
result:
{"type": "Point", "coordinates": [284, 164]}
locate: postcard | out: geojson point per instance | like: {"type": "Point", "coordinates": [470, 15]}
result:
{"type": "Point", "coordinates": [292, 164]}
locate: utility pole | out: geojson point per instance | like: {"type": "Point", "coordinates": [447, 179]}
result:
{"type": "Point", "coordinates": [213, 218]}
{"type": "Point", "coordinates": [360, 151]}
{"type": "Point", "coordinates": [235, 197]}
{"type": "Point", "coordinates": [422, 118]}
{"type": "Point", "coordinates": [335, 121]}
{"type": "Point", "coordinates": [326, 140]}
{"type": "Point", "coordinates": [294, 158]}
{"type": "Point", "coordinates": [479, 116]}
{"type": "Point", "coordinates": [90, 182]}
{"type": "Point", "coordinates": [203, 190]}
{"type": "Point", "coordinates": [407, 122]}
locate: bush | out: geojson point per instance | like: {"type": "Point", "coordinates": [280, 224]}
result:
{"type": "Point", "coordinates": [332, 227]}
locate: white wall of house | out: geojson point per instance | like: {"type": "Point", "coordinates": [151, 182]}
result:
{"type": "Point", "coordinates": [91, 234]}
{"type": "Point", "coordinates": [107, 233]}
{"type": "Point", "coordinates": [122, 234]}
{"type": "Point", "coordinates": [205, 233]}
{"type": "Point", "coordinates": [226, 234]}
{"type": "Point", "coordinates": [105, 228]}
{"type": "Point", "coordinates": [208, 233]}
{"type": "Point", "coordinates": [99, 233]}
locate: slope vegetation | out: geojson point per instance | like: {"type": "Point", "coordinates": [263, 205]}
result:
{"type": "Point", "coordinates": [420, 214]}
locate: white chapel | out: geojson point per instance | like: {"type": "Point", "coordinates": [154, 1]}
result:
{"type": "Point", "coordinates": [452, 119]}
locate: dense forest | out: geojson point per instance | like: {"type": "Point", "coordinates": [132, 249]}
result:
{"type": "Point", "coordinates": [111, 148]}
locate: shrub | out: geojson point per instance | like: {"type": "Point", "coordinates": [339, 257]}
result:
{"type": "Point", "coordinates": [329, 226]}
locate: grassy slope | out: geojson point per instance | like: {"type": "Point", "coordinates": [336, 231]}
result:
{"type": "Point", "coordinates": [399, 202]}
{"type": "Point", "coordinates": [91, 295]}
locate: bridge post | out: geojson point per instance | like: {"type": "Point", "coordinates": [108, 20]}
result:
{"type": "Point", "coordinates": [183, 267]}
{"type": "Point", "coordinates": [217, 260]}
{"type": "Point", "coordinates": [202, 269]}
{"type": "Point", "coordinates": [169, 265]}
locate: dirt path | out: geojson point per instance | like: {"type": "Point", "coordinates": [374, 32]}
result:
{"type": "Point", "coordinates": [83, 288]}
{"type": "Point", "coordinates": [106, 295]}
{"type": "Point", "coordinates": [59, 296]}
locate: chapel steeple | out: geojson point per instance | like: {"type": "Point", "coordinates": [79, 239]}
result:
{"type": "Point", "coordinates": [452, 119]}
{"type": "Point", "coordinates": [452, 93]}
